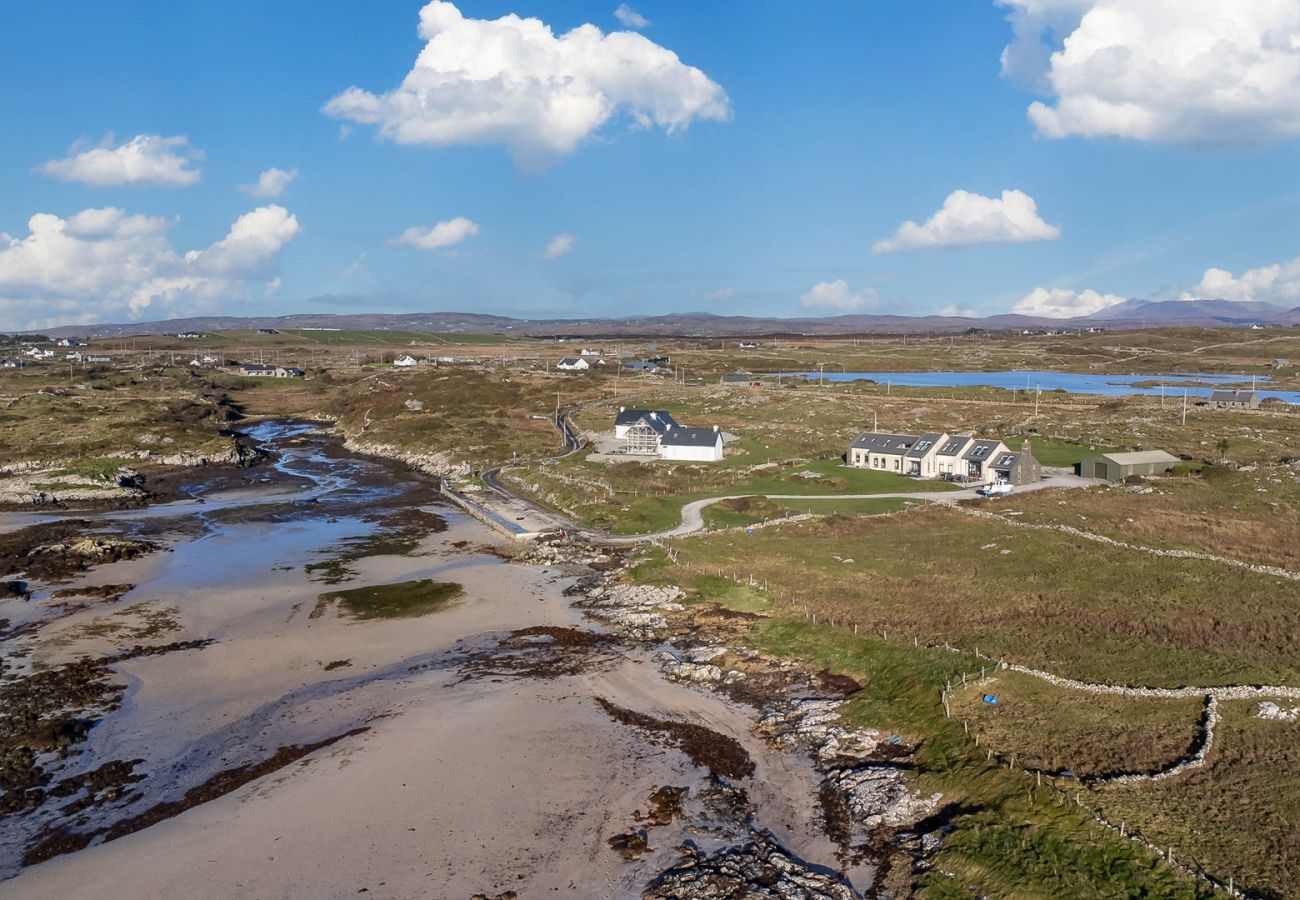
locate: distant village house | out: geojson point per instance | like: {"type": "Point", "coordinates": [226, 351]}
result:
{"type": "Point", "coordinates": [573, 364]}
{"type": "Point", "coordinates": [1234, 399]}
{"type": "Point", "coordinates": [258, 370]}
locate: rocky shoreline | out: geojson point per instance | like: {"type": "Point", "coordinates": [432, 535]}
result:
{"type": "Point", "coordinates": [870, 807]}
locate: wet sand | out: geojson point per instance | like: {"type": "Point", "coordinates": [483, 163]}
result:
{"type": "Point", "coordinates": [460, 785]}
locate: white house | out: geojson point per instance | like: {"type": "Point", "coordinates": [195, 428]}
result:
{"type": "Point", "coordinates": [587, 351]}
{"type": "Point", "coordinates": [691, 444]}
{"type": "Point", "coordinates": [405, 361]}
{"type": "Point", "coordinates": [573, 364]}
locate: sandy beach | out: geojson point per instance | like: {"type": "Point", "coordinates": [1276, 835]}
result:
{"type": "Point", "coordinates": [449, 765]}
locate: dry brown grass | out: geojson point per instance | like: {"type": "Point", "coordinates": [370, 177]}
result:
{"type": "Point", "coordinates": [1050, 729]}
{"type": "Point", "coordinates": [1237, 816]}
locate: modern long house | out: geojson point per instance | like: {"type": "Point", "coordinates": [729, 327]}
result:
{"type": "Point", "coordinates": [940, 455]}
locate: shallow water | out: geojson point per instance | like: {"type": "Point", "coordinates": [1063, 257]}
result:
{"type": "Point", "coordinates": [518, 782]}
{"type": "Point", "coordinates": [1070, 382]}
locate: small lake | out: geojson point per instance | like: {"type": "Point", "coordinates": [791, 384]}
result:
{"type": "Point", "coordinates": [1197, 384]}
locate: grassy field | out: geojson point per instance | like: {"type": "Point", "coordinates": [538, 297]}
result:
{"type": "Point", "coordinates": [1247, 515]}
{"type": "Point", "coordinates": [1051, 729]}
{"type": "Point", "coordinates": [1237, 815]}
{"type": "Point", "coordinates": [751, 510]}
{"type": "Point", "coordinates": [1034, 597]}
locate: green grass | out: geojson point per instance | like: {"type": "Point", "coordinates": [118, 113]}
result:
{"type": "Point", "coordinates": [1008, 838]}
{"type": "Point", "coordinates": [651, 495]}
{"type": "Point", "coordinates": [99, 469]}
{"type": "Point", "coordinates": [1058, 453]}
{"type": "Point", "coordinates": [404, 600]}
{"type": "Point", "coordinates": [1041, 598]}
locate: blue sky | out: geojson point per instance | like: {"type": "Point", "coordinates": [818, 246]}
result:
{"type": "Point", "coordinates": [823, 127]}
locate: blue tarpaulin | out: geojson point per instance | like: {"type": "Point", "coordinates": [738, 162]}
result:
{"type": "Point", "coordinates": [991, 699]}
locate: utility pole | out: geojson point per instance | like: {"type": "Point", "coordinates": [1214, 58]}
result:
{"type": "Point", "coordinates": [1038, 392]}
{"type": "Point", "coordinates": [1184, 406]}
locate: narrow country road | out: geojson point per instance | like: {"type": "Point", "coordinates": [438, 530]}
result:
{"type": "Point", "coordinates": [535, 518]}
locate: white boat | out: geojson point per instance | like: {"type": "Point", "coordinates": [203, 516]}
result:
{"type": "Point", "coordinates": [996, 489]}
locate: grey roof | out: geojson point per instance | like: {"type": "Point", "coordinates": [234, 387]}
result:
{"type": "Point", "coordinates": [981, 450]}
{"type": "Point", "coordinates": [656, 418]}
{"type": "Point", "coordinates": [1140, 457]}
{"type": "Point", "coordinates": [691, 437]}
{"type": "Point", "coordinates": [892, 444]}
{"type": "Point", "coordinates": [924, 444]}
{"type": "Point", "coordinates": [955, 445]}
{"type": "Point", "coordinates": [1006, 460]}
{"type": "Point", "coordinates": [1232, 396]}
{"type": "Point", "coordinates": [738, 378]}
{"type": "Point", "coordinates": [639, 364]}
{"type": "Point", "coordinates": [256, 367]}
{"type": "Point", "coordinates": [568, 361]}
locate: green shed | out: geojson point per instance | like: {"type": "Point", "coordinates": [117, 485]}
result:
{"type": "Point", "coordinates": [1118, 466]}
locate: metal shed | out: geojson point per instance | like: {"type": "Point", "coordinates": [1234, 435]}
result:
{"type": "Point", "coordinates": [1118, 466]}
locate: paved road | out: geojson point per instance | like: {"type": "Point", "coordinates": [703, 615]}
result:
{"type": "Point", "coordinates": [693, 512]}
{"type": "Point", "coordinates": [533, 518]}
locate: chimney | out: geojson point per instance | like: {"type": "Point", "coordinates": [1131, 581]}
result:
{"type": "Point", "coordinates": [715, 427]}
{"type": "Point", "coordinates": [622, 409]}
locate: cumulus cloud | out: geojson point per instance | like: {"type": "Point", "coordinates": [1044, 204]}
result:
{"type": "Point", "coordinates": [630, 18]}
{"type": "Point", "coordinates": [559, 245]}
{"type": "Point", "coordinates": [512, 81]}
{"type": "Point", "coordinates": [146, 159]}
{"type": "Point", "coordinates": [271, 183]}
{"type": "Point", "coordinates": [836, 295]}
{"type": "Point", "coordinates": [723, 293]}
{"type": "Point", "coordinates": [967, 219]}
{"type": "Point", "coordinates": [1200, 71]}
{"type": "Point", "coordinates": [1060, 303]}
{"type": "Point", "coordinates": [104, 262]}
{"type": "Point", "coordinates": [1278, 283]}
{"type": "Point", "coordinates": [444, 234]}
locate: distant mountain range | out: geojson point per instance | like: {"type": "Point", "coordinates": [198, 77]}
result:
{"type": "Point", "coordinates": [1131, 314]}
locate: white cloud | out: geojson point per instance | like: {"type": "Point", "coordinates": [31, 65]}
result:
{"type": "Point", "coordinates": [630, 18]}
{"type": "Point", "coordinates": [836, 295]}
{"type": "Point", "coordinates": [723, 293]}
{"type": "Point", "coordinates": [953, 310]}
{"type": "Point", "coordinates": [967, 219]}
{"type": "Point", "coordinates": [444, 234]}
{"type": "Point", "coordinates": [1159, 70]}
{"type": "Point", "coordinates": [271, 183]}
{"type": "Point", "coordinates": [559, 245]}
{"type": "Point", "coordinates": [146, 159]}
{"type": "Point", "coordinates": [105, 262]}
{"type": "Point", "coordinates": [1060, 303]}
{"type": "Point", "coordinates": [1278, 283]}
{"type": "Point", "coordinates": [512, 81]}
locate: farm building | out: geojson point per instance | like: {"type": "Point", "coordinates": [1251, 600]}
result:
{"type": "Point", "coordinates": [405, 361]}
{"type": "Point", "coordinates": [573, 364]}
{"type": "Point", "coordinates": [692, 444]}
{"type": "Point", "coordinates": [1281, 363]}
{"type": "Point", "coordinates": [1234, 399]}
{"type": "Point", "coordinates": [1118, 466]}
